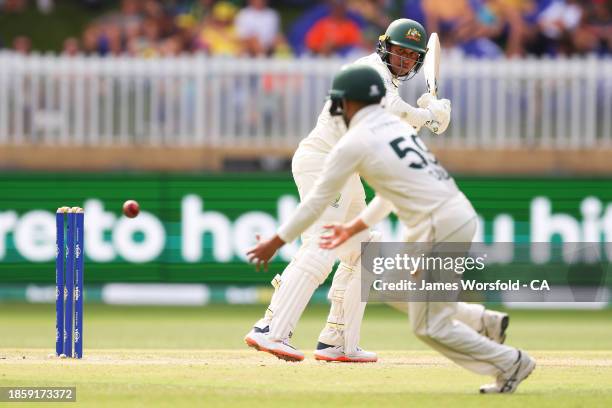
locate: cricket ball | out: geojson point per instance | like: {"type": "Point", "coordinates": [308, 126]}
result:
{"type": "Point", "coordinates": [131, 208]}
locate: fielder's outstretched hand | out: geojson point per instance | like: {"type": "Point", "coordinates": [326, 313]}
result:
{"type": "Point", "coordinates": [264, 251]}
{"type": "Point", "coordinates": [335, 236]}
{"type": "Point", "coordinates": [340, 233]}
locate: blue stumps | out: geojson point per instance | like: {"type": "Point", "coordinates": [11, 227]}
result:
{"type": "Point", "coordinates": [69, 268]}
{"type": "Point", "coordinates": [78, 291]}
{"type": "Point", "coordinates": [59, 281]}
{"type": "Point", "coordinates": [69, 288]}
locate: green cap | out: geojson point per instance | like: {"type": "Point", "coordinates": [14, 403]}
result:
{"type": "Point", "coordinates": [358, 82]}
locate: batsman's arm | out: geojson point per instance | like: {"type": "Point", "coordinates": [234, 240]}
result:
{"type": "Point", "coordinates": [432, 113]}
{"type": "Point", "coordinates": [416, 117]}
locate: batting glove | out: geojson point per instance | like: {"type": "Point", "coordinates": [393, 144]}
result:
{"type": "Point", "coordinates": [425, 99]}
{"type": "Point", "coordinates": [441, 111]}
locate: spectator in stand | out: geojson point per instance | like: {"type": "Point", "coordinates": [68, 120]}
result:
{"type": "Point", "coordinates": [171, 46]}
{"type": "Point", "coordinates": [499, 22]}
{"type": "Point", "coordinates": [71, 47]}
{"type": "Point", "coordinates": [22, 45]}
{"type": "Point", "coordinates": [482, 28]}
{"type": "Point", "coordinates": [525, 7]}
{"type": "Point", "coordinates": [105, 34]}
{"type": "Point", "coordinates": [187, 30]}
{"type": "Point", "coordinates": [558, 24]}
{"type": "Point", "coordinates": [594, 34]}
{"type": "Point", "coordinates": [258, 28]}
{"type": "Point", "coordinates": [188, 16]}
{"type": "Point", "coordinates": [130, 12]}
{"type": "Point", "coordinates": [90, 39]}
{"type": "Point", "coordinates": [218, 34]}
{"type": "Point", "coordinates": [109, 41]}
{"type": "Point", "coordinates": [600, 21]}
{"type": "Point", "coordinates": [151, 31]}
{"type": "Point", "coordinates": [453, 21]}
{"type": "Point", "coordinates": [14, 6]}
{"type": "Point", "coordinates": [153, 10]}
{"type": "Point", "coordinates": [335, 33]}
{"type": "Point", "coordinates": [146, 43]}
{"type": "Point", "coordinates": [487, 28]}
{"type": "Point", "coordinates": [137, 29]}
{"type": "Point", "coordinates": [376, 15]}
{"type": "Point", "coordinates": [201, 9]}
{"type": "Point", "coordinates": [133, 40]}
{"type": "Point", "coordinates": [458, 25]}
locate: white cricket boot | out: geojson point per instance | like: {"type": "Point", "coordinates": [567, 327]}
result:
{"type": "Point", "coordinates": [507, 383]}
{"type": "Point", "coordinates": [494, 325]}
{"type": "Point", "coordinates": [325, 352]}
{"type": "Point", "coordinates": [259, 340]}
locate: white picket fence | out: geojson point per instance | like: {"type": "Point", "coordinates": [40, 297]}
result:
{"type": "Point", "coordinates": [196, 101]}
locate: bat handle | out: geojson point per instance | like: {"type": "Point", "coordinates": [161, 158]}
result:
{"type": "Point", "coordinates": [433, 90]}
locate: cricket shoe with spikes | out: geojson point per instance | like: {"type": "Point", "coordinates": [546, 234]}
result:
{"type": "Point", "coordinates": [507, 383]}
{"type": "Point", "coordinates": [326, 352]}
{"type": "Point", "coordinates": [494, 325]}
{"type": "Point", "coordinates": [259, 340]}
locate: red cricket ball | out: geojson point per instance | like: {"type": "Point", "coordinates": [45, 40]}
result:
{"type": "Point", "coordinates": [131, 208]}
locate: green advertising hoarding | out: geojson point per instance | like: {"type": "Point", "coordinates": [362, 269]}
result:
{"type": "Point", "coordinates": [196, 227]}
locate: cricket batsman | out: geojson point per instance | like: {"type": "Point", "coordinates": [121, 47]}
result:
{"type": "Point", "coordinates": [399, 56]}
{"type": "Point", "coordinates": [409, 180]}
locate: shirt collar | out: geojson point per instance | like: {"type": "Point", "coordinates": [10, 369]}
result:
{"type": "Point", "coordinates": [363, 112]}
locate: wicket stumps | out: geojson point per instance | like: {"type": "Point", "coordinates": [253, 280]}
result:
{"type": "Point", "coordinates": [69, 265]}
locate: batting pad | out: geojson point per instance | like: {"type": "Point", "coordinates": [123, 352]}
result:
{"type": "Point", "coordinates": [307, 271]}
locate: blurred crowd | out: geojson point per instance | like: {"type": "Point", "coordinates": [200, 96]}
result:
{"type": "Point", "coordinates": [517, 27]}
{"type": "Point", "coordinates": [481, 28]}
{"type": "Point", "coordinates": [18, 6]}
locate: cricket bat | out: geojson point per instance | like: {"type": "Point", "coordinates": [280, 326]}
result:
{"type": "Point", "coordinates": [431, 65]}
{"type": "Point", "coordinates": [431, 71]}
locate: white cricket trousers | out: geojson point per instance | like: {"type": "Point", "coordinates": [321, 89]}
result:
{"type": "Point", "coordinates": [311, 265]}
{"type": "Point", "coordinates": [435, 323]}
{"type": "Point", "coordinates": [343, 323]}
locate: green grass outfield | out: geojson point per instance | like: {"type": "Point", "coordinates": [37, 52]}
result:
{"type": "Point", "coordinates": [179, 356]}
